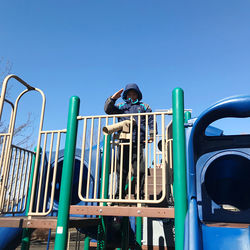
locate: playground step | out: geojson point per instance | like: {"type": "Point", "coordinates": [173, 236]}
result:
{"type": "Point", "coordinates": [45, 222]}
{"type": "Point", "coordinates": [157, 170]}
{"type": "Point", "coordinates": [151, 189]}
{"type": "Point", "coordinates": [157, 178]}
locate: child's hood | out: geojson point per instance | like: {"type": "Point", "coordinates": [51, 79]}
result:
{"type": "Point", "coordinates": [131, 86]}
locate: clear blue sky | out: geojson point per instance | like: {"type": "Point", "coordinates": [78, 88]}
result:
{"type": "Point", "coordinates": [91, 48]}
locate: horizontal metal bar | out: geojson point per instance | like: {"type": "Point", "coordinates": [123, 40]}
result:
{"type": "Point", "coordinates": [54, 131]}
{"type": "Point", "coordinates": [124, 211]}
{"type": "Point", "coordinates": [22, 149]}
{"type": "Point", "coordinates": [170, 110]}
{"type": "Point", "coordinates": [123, 115]}
{"type": "Point", "coordinates": [4, 134]}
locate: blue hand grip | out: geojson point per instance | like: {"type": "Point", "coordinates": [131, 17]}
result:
{"type": "Point", "coordinates": [236, 106]}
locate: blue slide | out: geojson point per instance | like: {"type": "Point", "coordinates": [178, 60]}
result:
{"type": "Point", "coordinates": [10, 238]}
{"type": "Point", "coordinates": [218, 180]}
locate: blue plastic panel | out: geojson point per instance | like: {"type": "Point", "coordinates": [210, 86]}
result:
{"type": "Point", "coordinates": [220, 238]}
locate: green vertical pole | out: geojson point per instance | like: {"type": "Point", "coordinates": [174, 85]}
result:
{"type": "Point", "coordinates": [27, 231]}
{"type": "Point", "coordinates": [102, 230]}
{"type": "Point", "coordinates": [86, 243]}
{"type": "Point", "coordinates": [67, 175]}
{"type": "Point", "coordinates": [187, 116]}
{"type": "Point", "coordinates": [138, 229]}
{"type": "Point", "coordinates": [179, 153]}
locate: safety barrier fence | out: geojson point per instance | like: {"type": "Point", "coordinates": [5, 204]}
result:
{"type": "Point", "coordinates": [15, 174]}
{"type": "Point", "coordinates": [15, 162]}
{"type": "Point", "coordinates": [135, 148]}
{"type": "Point", "coordinates": [46, 178]}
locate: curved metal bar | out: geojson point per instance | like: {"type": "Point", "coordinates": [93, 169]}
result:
{"type": "Point", "coordinates": [13, 118]}
{"type": "Point", "coordinates": [12, 110]}
{"type": "Point", "coordinates": [4, 87]}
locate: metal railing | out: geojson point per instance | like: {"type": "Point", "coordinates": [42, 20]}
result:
{"type": "Point", "coordinates": [16, 179]}
{"type": "Point", "coordinates": [139, 168]}
{"type": "Point", "coordinates": [14, 161]}
{"type": "Point", "coordinates": [133, 154]}
{"type": "Point", "coordinates": [46, 181]}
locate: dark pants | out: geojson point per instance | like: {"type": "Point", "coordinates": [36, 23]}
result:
{"type": "Point", "coordinates": [125, 170]}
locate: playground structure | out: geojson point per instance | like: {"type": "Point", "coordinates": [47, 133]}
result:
{"type": "Point", "coordinates": [77, 186]}
{"type": "Point", "coordinates": [45, 178]}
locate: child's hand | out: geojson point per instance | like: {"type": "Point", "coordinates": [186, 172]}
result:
{"type": "Point", "coordinates": [117, 94]}
{"type": "Point", "coordinates": [150, 140]}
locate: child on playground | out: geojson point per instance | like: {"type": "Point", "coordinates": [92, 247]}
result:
{"type": "Point", "coordinates": [132, 97]}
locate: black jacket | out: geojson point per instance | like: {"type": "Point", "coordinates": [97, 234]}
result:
{"type": "Point", "coordinates": [130, 107]}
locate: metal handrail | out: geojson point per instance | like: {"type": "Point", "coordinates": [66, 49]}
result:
{"type": "Point", "coordinates": [44, 178]}
{"type": "Point", "coordinates": [87, 156]}
{"type": "Point", "coordinates": [15, 195]}
{"type": "Point", "coordinates": [6, 156]}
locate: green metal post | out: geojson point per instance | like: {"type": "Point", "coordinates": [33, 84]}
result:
{"type": "Point", "coordinates": [187, 116]}
{"type": "Point", "coordinates": [86, 243]}
{"type": "Point", "coordinates": [67, 175]}
{"type": "Point", "coordinates": [138, 229]}
{"type": "Point", "coordinates": [102, 230]}
{"type": "Point", "coordinates": [27, 231]}
{"type": "Point", "coordinates": [179, 156]}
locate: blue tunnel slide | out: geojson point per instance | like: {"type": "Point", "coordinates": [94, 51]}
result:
{"type": "Point", "coordinates": [218, 178]}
